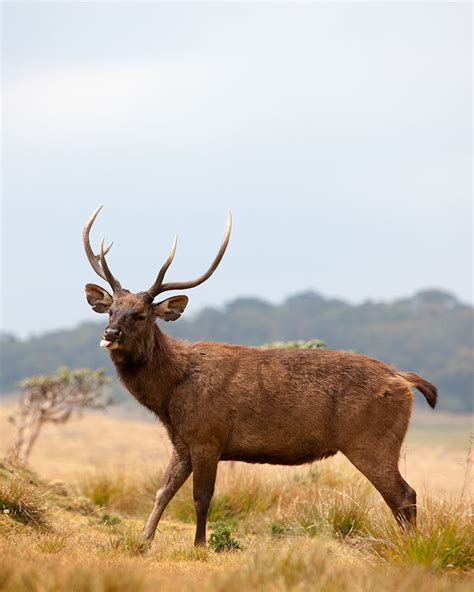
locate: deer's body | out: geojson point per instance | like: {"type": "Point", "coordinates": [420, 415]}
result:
{"type": "Point", "coordinates": [230, 402]}
{"type": "Point", "coordinates": [271, 406]}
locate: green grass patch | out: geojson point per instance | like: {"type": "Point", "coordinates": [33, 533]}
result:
{"type": "Point", "coordinates": [110, 519]}
{"type": "Point", "coordinates": [278, 530]}
{"type": "Point", "coordinates": [221, 539]}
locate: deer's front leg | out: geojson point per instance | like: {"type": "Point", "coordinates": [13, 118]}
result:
{"type": "Point", "coordinates": [178, 470]}
{"type": "Point", "coordinates": [204, 463]}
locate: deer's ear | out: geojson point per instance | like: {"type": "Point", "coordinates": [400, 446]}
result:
{"type": "Point", "coordinates": [171, 308]}
{"type": "Point", "coordinates": [98, 298]}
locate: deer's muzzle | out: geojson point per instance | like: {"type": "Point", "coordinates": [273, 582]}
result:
{"type": "Point", "coordinates": [111, 338]}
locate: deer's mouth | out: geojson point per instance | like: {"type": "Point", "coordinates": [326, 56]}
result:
{"type": "Point", "coordinates": [108, 344]}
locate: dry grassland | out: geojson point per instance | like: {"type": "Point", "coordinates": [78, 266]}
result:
{"type": "Point", "coordinates": [74, 523]}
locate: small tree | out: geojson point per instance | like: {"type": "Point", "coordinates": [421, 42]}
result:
{"type": "Point", "coordinates": [300, 344]}
{"type": "Point", "coordinates": [54, 398]}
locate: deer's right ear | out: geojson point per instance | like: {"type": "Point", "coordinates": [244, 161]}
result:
{"type": "Point", "coordinates": [98, 298]}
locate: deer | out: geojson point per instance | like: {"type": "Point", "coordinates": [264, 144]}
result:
{"type": "Point", "coordinates": [225, 402]}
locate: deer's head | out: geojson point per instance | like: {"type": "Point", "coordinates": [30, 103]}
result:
{"type": "Point", "coordinates": [131, 316]}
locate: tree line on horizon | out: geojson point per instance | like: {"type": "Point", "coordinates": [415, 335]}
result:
{"type": "Point", "coordinates": [430, 333]}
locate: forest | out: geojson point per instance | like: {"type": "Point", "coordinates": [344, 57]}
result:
{"type": "Point", "coordinates": [430, 333]}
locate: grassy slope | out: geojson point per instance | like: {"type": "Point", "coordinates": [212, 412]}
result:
{"type": "Point", "coordinates": [319, 527]}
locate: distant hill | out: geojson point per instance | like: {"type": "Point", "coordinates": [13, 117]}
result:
{"type": "Point", "coordinates": [430, 333]}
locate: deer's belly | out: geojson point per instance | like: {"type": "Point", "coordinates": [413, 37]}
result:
{"type": "Point", "coordinates": [280, 447]}
{"type": "Point", "coordinates": [290, 457]}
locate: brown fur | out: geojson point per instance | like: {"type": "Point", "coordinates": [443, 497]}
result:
{"type": "Point", "coordinates": [230, 402]}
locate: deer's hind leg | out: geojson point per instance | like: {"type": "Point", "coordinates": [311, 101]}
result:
{"type": "Point", "coordinates": [384, 475]}
{"type": "Point", "coordinates": [375, 451]}
{"type": "Point", "coordinates": [374, 448]}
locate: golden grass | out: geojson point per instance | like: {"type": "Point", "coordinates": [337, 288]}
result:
{"type": "Point", "coordinates": [319, 527]}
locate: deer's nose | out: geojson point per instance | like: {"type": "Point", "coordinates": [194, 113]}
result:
{"type": "Point", "coordinates": [112, 334]}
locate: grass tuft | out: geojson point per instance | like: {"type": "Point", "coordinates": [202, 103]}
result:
{"type": "Point", "coordinates": [23, 503]}
{"type": "Point", "coordinates": [110, 490]}
{"type": "Point", "coordinates": [130, 542]}
{"type": "Point", "coordinates": [347, 517]}
{"type": "Point", "coordinates": [52, 543]}
{"type": "Point", "coordinates": [277, 529]}
{"type": "Point", "coordinates": [110, 519]}
{"type": "Point", "coordinates": [335, 513]}
{"type": "Point", "coordinates": [443, 540]}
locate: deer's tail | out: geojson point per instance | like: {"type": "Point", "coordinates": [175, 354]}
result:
{"type": "Point", "coordinates": [426, 388]}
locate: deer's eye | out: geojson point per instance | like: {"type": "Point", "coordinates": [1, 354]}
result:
{"type": "Point", "coordinates": [139, 316]}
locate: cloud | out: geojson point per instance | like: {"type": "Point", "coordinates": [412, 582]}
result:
{"type": "Point", "coordinates": [285, 81]}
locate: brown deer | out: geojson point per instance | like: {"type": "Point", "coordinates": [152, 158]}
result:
{"type": "Point", "coordinates": [229, 402]}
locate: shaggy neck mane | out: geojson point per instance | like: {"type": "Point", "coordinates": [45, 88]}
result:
{"type": "Point", "coordinates": [152, 368]}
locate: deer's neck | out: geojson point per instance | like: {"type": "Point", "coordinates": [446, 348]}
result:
{"type": "Point", "coordinates": [153, 369]}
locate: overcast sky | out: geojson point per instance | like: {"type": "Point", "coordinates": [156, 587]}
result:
{"type": "Point", "coordinates": [338, 134]}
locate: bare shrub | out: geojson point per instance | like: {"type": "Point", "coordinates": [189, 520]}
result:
{"type": "Point", "coordinates": [54, 398]}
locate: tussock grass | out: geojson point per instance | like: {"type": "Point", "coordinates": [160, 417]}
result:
{"type": "Point", "coordinates": [277, 529]}
{"type": "Point", "coordinates": [347, 517]}
{"type": "Point", "coordinates": [341, 514]}
{"type": "Point", "coordinates": [110, 519]}
{"type": "Point", "coordinates": [23, 502]}
{"type": "Point", "coordinates": [443, 539]}
{"type": "Point", "coordinates": [52, 543]}
{"type": "Point", "coordinates": [111, 490]}
{"type": "Point", "coordinates": [129, 542]}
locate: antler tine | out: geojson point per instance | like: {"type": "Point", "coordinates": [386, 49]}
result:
{"type": "Point", "coordinates": [155, 289]}
{"type": "Point", "coordinates": [93, 259]}
{"type": "Point", "coordinates": [114, 283]}
{"type": "Point", "coordinates": [193, 283]}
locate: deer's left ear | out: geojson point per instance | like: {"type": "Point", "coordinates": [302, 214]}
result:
{"type": "Point", "coordinates": [171, 308]}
